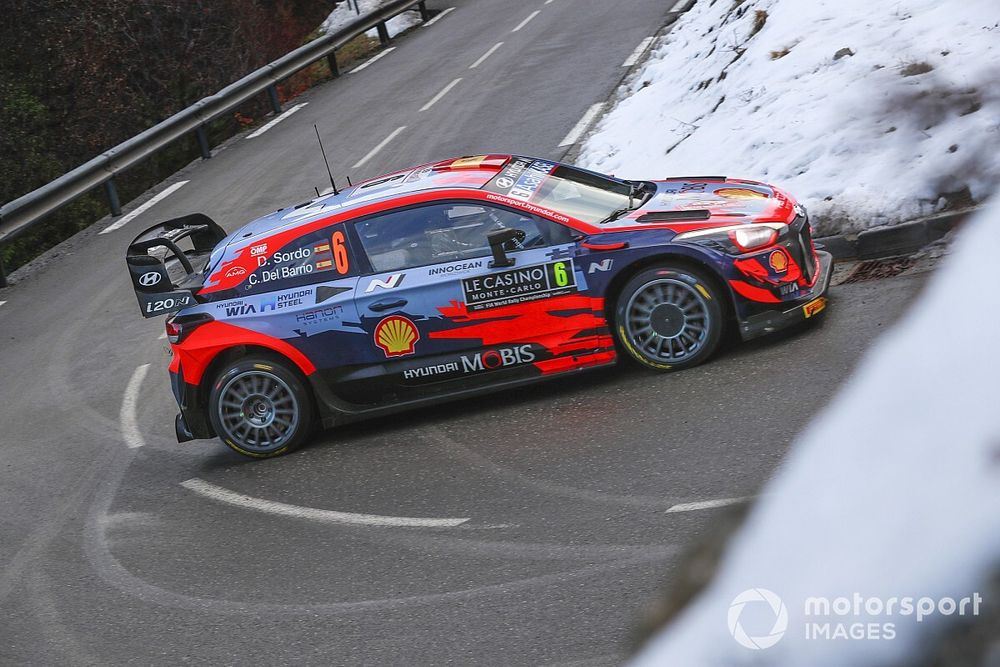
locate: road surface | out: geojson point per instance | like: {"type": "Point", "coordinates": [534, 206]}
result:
{"type": "Point", "coordinates": [523, 529]}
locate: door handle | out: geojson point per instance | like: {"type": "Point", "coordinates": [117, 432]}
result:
{"type": "Point", "coordinates": [387, 305]}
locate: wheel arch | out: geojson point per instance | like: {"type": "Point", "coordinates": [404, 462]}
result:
{"type": "Point", "coordinates": [233, 353]}
{"type": "Point", "coordinates": [674, 258]}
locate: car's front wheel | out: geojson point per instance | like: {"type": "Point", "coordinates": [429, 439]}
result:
{"type": "Point", "coordinates": [669, 318]}
{"type": "Point", "coordinates": [260, 407]}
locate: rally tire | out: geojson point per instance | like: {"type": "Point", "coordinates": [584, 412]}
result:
{"type": "Point", "coordinates": [669, 318]}
{"type": "Point", "coordinates": [260, 407]}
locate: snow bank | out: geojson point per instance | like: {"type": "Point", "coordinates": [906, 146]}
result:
{"type": "Point", "coordinates": [866, 110]}
{"type": "Point", "coordinates": [345, 12]}
{"type": "Point", "coordinates": [893, 491]}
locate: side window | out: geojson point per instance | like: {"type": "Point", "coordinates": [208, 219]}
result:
{"type": "Point", "coordinates": [449, 232]}
{"type": "Point", "coordinates": [315, 257]}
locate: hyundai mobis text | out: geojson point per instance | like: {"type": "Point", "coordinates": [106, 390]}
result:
{"type": "Point", "coordinates": [463, 276]}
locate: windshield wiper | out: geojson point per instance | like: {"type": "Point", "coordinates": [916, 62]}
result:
{"type": "Point", "coordinates": [615, 214]}
{"type": "Point", "coordinates": [633, 189]}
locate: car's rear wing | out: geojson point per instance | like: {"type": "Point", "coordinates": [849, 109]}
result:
{"type": "Point", "coordinates": [165, 276]}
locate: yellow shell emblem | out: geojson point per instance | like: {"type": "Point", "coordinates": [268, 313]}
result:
{"type": "Point", "coordinates": [778, 261]}
{"type": "Point", "coordinates": [396, 335]}
{"type": "Point", "coordinates": [470, 162]}
{"type": "Point", "coordinates": [740, 193]}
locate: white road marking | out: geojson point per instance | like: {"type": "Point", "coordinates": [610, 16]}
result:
{"type": "Point", "coordinates": [274, 121]}
{"type": "Point", "coordinates": [525, 21]}
{"type": "Point", "coordinates": [2, 303]}
{"type": "Point", "coordinates": [373, 152]}
{"type": "Point", "coordinates": [440, 16]}
{"type": "Point", "coordinates": [486, 55]}
{"type": "Point", "coordinates": [377, 57]}
{"type": "Point", "coordinates": [163, 336]}
{"type": "Point", "coordinates": [677, 5]}
{"type": "Point", "coordinates": [214, 492]}
{"type": "Point", "coordinates": [127, 417]}
{"type": "Point", "coordinates": [708, 504]}
{"type": "Point", "coordinates": [548, 2]}
{"type": "Point", "coordinates": [128, 217]}
{"type": "Point", "coordinates": [444, 91]}
{"type": "Point", "coordinates": [639, 50]}
{"type": "Point", "coordinates": [581, 127]}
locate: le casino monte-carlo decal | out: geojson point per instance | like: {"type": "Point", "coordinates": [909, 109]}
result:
{"type": "Point", "coordinates": [519, 285]}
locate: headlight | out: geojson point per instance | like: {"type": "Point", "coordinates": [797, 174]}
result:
{"type": "Point", "coordinates": [736, 239]}
{"type": "Point", "coordinates": [753, 236]}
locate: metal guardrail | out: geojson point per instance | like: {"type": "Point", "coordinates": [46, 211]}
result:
{"type": "Point", "coordinates": [27, 210]}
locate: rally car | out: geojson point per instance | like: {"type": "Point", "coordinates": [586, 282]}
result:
{"type": "Point", "coordinates": [459, 277]}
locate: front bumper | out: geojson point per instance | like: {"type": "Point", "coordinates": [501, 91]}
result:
{"type": "Point", "coordinates": [810, 305]}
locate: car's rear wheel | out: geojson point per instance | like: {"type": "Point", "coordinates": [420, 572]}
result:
{"type": "Point", "coordinates": [669, 318]}
{"type": "Point", "coordinates": [260, 407]}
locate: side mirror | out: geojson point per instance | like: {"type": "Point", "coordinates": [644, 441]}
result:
{"type": "Point", "coordinates": [498, 240]}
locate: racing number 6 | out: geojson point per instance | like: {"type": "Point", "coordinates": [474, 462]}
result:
{"type": "Point", "coordinates": [340, 258]}
{"type": "Point", "coordinates": [559, 273]}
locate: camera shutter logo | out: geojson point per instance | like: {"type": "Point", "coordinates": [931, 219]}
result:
{"type": "Point", "coordinates": [149, 279]}
{"type": "Point", "coordinates": [780, 618]}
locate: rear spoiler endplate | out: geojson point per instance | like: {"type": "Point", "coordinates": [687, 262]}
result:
{"type": "Point", "coordinates": [166, 281]}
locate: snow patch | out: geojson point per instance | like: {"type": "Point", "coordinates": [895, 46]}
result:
{"type": "Point", "coordinates": [345, 12]}
{"type": "Point", "coordinates": [893, 491]}
{"type": "Point", "coordinates": [865, 110]}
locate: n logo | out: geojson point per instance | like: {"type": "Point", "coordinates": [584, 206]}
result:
{"type": "Point", "coordinates": [389, 283]}
{"type": "Point", "coordinates": [603, 265]}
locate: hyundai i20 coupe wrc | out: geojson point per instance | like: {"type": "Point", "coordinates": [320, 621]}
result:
{"type": "Point", "coordinates": [459, 277]}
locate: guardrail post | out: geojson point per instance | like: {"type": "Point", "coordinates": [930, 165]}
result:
{"type": "Point", "coordinates": [112, 192]}
{"type": "Point", "coordinates": [206, 150]}
{"type": "Point", "coordinates": [383, 33]}
{"type": "Point", "coordinates": [424, 15]}
{"type": "Point", "coordinates": [272, 94]}
{"type": "Point", "coordinates": [331, 60]}
{"type": "Point", "coordinates": [3, 274]}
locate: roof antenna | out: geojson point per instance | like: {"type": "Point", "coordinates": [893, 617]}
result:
{"type": "Point", "coordinates": [349, 184]}
{"type": "Point", "coordinates": [326, 161]}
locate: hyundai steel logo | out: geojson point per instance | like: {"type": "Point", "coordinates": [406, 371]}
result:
{"type": "Point", "coordinates": [149, 279]}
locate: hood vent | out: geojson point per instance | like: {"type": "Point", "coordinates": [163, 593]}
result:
{"type": "Point", "coordinates": [675, 216]}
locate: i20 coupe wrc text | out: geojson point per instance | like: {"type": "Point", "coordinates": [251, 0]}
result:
{"type": "Point", "coordinates": [459, 277]}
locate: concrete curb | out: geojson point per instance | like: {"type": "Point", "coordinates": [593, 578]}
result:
{"type": "Point", "coordinates": [901, 239]}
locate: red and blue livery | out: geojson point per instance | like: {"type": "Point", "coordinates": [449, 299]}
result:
{"type": "Point", "coordinates": [463, 276]}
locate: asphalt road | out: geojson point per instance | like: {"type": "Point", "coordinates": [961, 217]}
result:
{"type": "Point", "coordinates": [546, 531]}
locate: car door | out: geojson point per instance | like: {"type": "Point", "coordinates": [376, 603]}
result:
{"type": "Point", "coordinates": [439, 314]}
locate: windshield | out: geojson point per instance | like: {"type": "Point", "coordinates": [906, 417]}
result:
{"type": "Point", "coordinates": [578, 194]}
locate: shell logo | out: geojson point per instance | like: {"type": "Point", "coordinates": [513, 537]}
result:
{"type": "Point", "coordinates": [396, 336]}
{"type": "Point", "coordinates": [740, 193]}
{"type": "Point", "coordinates": [778, 261]}
{"type": "Point", "coordinates": [470, 162]}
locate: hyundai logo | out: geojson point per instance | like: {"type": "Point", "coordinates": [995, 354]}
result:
{"type": "Point", "coordinates": [149, 279]}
